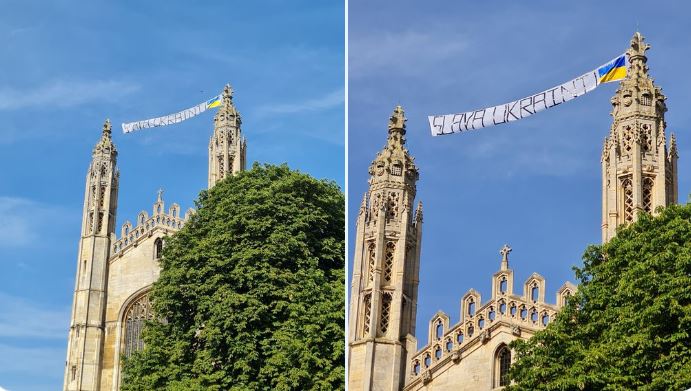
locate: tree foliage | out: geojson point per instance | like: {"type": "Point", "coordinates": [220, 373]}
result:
{"type": "Point", "coordinates": [251, 290]}
{"type": "Point", "coordinates": [629, 325]}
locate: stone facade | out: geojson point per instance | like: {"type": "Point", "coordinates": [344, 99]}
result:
{"type": "Point", "coordinates": [115, 274]}
{"type": "Point", "coordinates": [639, 173]}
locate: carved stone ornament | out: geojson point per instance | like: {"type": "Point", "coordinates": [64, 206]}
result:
{"type": "Point", "coordinates": [515, 330]}
{"type": "Point", "coordinates": [456, 356]}
{"type": "Point", "coordinates": [426, 376]}
{"type": "Point", "coordinates": [484, 336]}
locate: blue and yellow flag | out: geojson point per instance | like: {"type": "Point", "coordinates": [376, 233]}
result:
{"type": "Point", "coordinates": [213, 102]}
{"type": "Point", "coordinates": [613, 70]}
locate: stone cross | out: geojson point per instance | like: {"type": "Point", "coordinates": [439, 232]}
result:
{"type": "Point", "coordinates": [505, 256]}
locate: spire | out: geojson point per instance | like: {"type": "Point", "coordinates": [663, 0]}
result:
{"type": "Point", "coordinates": [418, 212]}
{"type": "Point", "coordinates": [394, 159]}
{"type": "Point", "coordinates": [227, 114]}
{"type": "Point", "coordinates": [105, 145]}
{"type": "Point", "coordinates": [636, 53]}
{"type": "Point", "coordinates": [505, 257]}
{"type": "Point", "coordinates": [673, 146]}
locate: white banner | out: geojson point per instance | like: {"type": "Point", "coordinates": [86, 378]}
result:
{"type": "Point", "coordinates": [519, 109]}
{"type": "Point", "coordinates": [172, 118]}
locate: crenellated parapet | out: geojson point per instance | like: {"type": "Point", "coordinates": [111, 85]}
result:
{"type": "Point", "coordinates": [520, 314]}
{"type": "Point", "coordinates": [170, 221]}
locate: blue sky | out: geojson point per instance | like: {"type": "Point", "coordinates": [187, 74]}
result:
{"type": "Point", "coordinates": [534, 184]}
{"type": "Point", "coordinates": [67, 65]}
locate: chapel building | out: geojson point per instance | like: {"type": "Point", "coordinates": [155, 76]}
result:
{"type": "Point", "coordinates": [639, 173]}
{"type": "Point", "coordinates": [115, 272]}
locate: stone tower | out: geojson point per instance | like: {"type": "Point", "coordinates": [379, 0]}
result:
{"type": "Point", "coordinates": [639, 171]}
{"type": "Point", "coordinates": [227, 147]}
{"type": "Point", "coordinates": [84, 351]}
{"type": "Point", "coordinates": [386, 267]}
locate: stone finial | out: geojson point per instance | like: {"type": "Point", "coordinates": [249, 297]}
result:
{"type": "Point", "coordinates": [227, 92]}
{"type": "Point", "coordinates": [105, 143]}
{"type": "Point", "coordinates": [673, 146]}
{"type": "Point", "coordinates": [160, 195]}
{"type": "Point", "coordinates": [107, 129]}
{"type": "Point", "coordinates": [505, 256]}
{"type": "Point", "coordinates": [638, 46]}
{"type": "Point", "coordinates": [418, 211]}
{"type": "Point", "coordinates": [397, 120]}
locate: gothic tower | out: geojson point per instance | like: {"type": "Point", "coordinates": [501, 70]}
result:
{"type": "Point", "coordinates": [383, 300]}
{"type": "Point", "coordinates": [227, 147]}
{"type": "Point", "coordinates": [639, 172]}
{"type": "Point", "coordinates": [98, 229]}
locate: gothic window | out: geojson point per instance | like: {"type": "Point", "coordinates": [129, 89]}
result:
{"type": "Point", "coordinates": [502, 364]}
{"type": "Point", "coordinates": [388, 262]}
{"type": "Point", "coordinates": [370, 261]}
{"type": "Point", "coordinates": [628, 199]}
{"type": "Point", "coordinates": [158, 248]}
{"type": "Point", "coordinates": [481, 323]}
{"type": "Point", "coordinates": [397, 169]}
{"type": "Point", "coordinates": [648, 194]}
{"type": "Point", "coordinates": [437, 352]}
{"type": "Point", "coordinates": [545, 319]}
{"type": "Point", "coordinates": [385, 312]}
{"type": "Point", "coordinates": [73, 370]}
{"type": "Point", "coordinates": [142, 218]}
{"type": "Point", "coordinates": [491, 314]}
{"type": "Point", "coordinates": [512, 310]}
{"type": "Point", "coordinates": [221, 169]}
{"type": "Point", "coordinates": [428, 360]}
{"type": "Point", "coordinates": [100, 221]}
{"type": "Point", "coordinates": [502, 285]}
{"type": "Point", "coordinates": [368, 313]}
{"type": "Point", "coordinates": [646, 140]}
{"type": "Point", "coordinates": [627, 139]}
{"type": "Point", "coordinates": [392, 202]}
{"type": "Point", "coordinates": [103, 195]}
{"type": "Point", "coordinates": [416, 367]}
{"type": "Point", "coordinates": [135, 317]}
{"type": "Point", "coordinates": [524, 312]}
{"type": "Point", "coordinates": [459, 337]}
{"type": "Point", "coordinates": [375, 206]}
{"type": "Point", "coordinates": [646, 100]}
{"type": "Point", "coordinates": [471, 330]}
{"type": "Point", "coordinates": [449, 345]}
{"type": "Point", "coordinates": [533, 315]}
{"type": "Point", "coordinates": [534, 292]}
{"type": "Point", "coordinates": [440, 329]}
{"type": "Point", "coordinates": [502, 307]}
{"type": "Point", "coordinates": [471, 306]}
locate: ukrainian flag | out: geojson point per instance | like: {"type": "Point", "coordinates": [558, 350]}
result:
{"type": "Point", "coordinates": [213, 102]}
{"type": "Point", "coordinates": [613, 70]}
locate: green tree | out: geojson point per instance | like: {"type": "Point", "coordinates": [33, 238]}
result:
{"type": "Point", "coordinates": [251, 290]}
{"type": "Point", "coordinates": [629, 325]}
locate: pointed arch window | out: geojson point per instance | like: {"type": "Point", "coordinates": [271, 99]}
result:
{"type": "Point", "coordinates": [628, 199]}
{"type": "Point", "coordinates": [385, 312]}
{"type": "Point", "coordinates": [158, 248]}
{"type": "Point", "coordinates": [502, 362]}
{"type": "Point", "coordinates": [367, 314]}
{"type": "Point", "coordinates": [135, 316]}
{"type": "Point", "coordinates": [370, 260]}
{"type": "Point", "coordinates": [388, 262]}
{"type": "Point", "coordinates": [648, 194]}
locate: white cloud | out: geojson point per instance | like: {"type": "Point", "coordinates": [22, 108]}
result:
{"type": "Point", "coordinates": [401, 53]}
{"type": "Point", "coordinates": [21, 318]}
{"type": "Point", "coordinates": [63, 94]}
{"type": "Point", "coordinates": [3, 388]}
{"type": "Point", "coordinates": [330, 100]}
{"type": "Point", "coordinates": [23, 220]}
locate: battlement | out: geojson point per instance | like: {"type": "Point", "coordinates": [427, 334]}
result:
{"type": "Point", "coordinates": [170, 221]}
{"type": "Point", "coordinates": [516, 312]}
